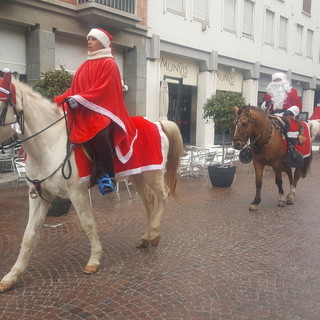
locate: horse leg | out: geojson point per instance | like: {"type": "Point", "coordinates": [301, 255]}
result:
{"type": "Point", "coordinates": [38, 209]}
{"type": "Point", "coordinates": [154, 193]}
{"type": "Point", "coordinates": [81, 203]}
{"type": "Point", "coordinates": [278, 180]}
{"type": "Point", "coordinates": [293, 184]}
{"type": "Point", "coordinates": [257, 199]}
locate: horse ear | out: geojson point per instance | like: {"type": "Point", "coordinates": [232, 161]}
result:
{"type": "Point", "coordinates": [235, 109]}
{"type": "Point", "coordinates": [6, 79]}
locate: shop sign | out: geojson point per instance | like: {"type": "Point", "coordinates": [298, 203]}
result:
{"type": "Point", "coordinates": [179, 68]}
{"type": "Point", "coordinates": [229, 81]}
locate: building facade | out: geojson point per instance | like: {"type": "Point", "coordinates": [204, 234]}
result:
{"type": "Point", "coordinates": [231, 45]}
{"type": "Point", "coordinates": [42, 35]}
{"type": "Point", "coordinates": [199, 47]}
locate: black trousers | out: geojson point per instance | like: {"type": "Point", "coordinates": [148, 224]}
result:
{"type": "Point", "coordinates": [102, 150]}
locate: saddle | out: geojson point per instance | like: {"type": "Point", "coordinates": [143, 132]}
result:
{"type": "Point", "coordinates": [287, 124]}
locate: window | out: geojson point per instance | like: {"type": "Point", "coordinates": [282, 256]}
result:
{"type": "Point", "coordinates": [306, 6]}
{"type": "Point", "coordinates": [309, 43]}
{"type": "Point", "coordinates": [268, 28]}
{"type": "Point", "coordinates": [299, 34]}
{"type": "Point", "coordinates": [229, 21]}
{"type": "Point", "coordinates": [283, 32]}
{"type": "Point", "coordinates": [201, 10]}
{"type": "Point", "coordinates": [247, 22]}
{"type": "Point", "coordinates": [176, 6]}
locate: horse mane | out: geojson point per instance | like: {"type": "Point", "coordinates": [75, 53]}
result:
{"type": "Point", "coordinates": [29, 97]}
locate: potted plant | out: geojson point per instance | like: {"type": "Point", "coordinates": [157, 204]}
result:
{"type": "Point", "coordinates": [218, 109]}
{"type": "Point", "coordinates": [52, 84]}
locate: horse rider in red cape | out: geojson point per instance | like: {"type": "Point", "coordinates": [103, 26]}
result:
{"type": "Point", "coordinates": [283, 100]}
{"type": "Point", "coordinates": [99, 118]}
{"type": "Point", "coordinates": [316, 112]}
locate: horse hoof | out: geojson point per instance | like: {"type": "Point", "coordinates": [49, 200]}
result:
{"type": "Point", "coordinates": [154, 242]}
{"type": "Point", "coordinates": [90, 269]}
{"type": "Point", "coordinates": [143, 243]}
{"type": "Point", "coordinates": [6, 286]}
{"type": "Point", "coordinates": [289, 201]}
{"type": "Point", "coordinates": [253, 208]}
{"type": "Point", "coordinates": [282, 204]}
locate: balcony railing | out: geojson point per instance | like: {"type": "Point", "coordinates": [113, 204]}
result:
{"type": "Point", "coordinates": [128, 6]}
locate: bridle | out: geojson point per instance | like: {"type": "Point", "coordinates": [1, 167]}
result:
{"type": "Point", "coordinates": [8, 102]}
{"type": "Point", "coordinates": [246, 136]}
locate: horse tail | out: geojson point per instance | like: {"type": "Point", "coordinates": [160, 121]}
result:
{"type": "Point", "coordinates": [175, 151]}
{"type": "Point", "coordinates": [306, 166]}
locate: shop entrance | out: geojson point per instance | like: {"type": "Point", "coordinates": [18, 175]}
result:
{"type": "Point", "coordinates": [180, 97]}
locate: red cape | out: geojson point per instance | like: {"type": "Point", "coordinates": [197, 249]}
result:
{"type": "Point", "coordinates": [148, 152]}
{"type": "Point", "coordinates": [97, 87]}
{"type": "Point", "coordinates": [316, 114]}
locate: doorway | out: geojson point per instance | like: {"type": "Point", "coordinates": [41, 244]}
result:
{"type": "Point", "coordinates": [181, 114]}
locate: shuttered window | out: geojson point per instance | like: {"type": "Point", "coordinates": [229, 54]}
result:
{"type": "Point", "coordinates": [283, 33]}
{"type": "Point", "coordinates": [247, 23]}
{"type": "Point", "coordinates": [306, 6]}
{"type": "Point", "coordinates": [269, 27]}
{"type": "Point", "coordinates": [230, 14]}
{"type": "Point", "coordinates": [299, 34]}
{"type": "Point", "coordinates": [309, 43]}
{"type": "Point", "coordinates": [201, 10]}
{"type": "Point", "coordinates": [176, 5]}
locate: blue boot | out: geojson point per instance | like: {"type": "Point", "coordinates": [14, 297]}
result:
{"type": "Point", "coordinates": [106, 184]}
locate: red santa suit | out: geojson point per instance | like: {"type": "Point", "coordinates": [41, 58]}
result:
{"type": "Point", "coordinates": [291, 100]}
{"type": "Point", "coordinates": [97, 88]}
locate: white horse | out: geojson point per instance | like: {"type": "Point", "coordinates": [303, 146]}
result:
{"type": "Point", "coordinates": [44, 140]}
{"type": "Point", "coordinates": [314, 126]}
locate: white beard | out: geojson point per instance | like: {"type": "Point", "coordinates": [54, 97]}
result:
{"type": "Point", "coordinates": [278, 94]}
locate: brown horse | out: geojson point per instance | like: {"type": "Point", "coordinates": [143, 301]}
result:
{"type": "Point", "coordinates": [266, 144]}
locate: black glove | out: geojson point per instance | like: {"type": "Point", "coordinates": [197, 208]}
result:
{"type": "Point", "coordinates": [288, 113]}
{"type": "Point", "coordinates": [73, 103]}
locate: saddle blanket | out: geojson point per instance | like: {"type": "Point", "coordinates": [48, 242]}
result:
{"type": "Point", "coordinates": [305, 147]}
{"type": "Point", "coordinates": [148, 153]}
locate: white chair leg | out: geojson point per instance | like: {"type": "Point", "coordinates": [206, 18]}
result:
{"type": "Point", "coordinates": [117, 191]}
{"type": "Point", "coordinates": [127, 186]}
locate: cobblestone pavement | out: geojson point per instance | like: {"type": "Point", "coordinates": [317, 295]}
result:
{"type": "Point", "coordinates": [215, 260]}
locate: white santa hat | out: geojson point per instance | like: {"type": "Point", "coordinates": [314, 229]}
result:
{"type": "Point", "coordinates": [101, 35]}
{"type": "Point", "coordinates": [279, 75]}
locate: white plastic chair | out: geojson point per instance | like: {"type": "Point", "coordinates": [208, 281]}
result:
{"type": "Point", "coordinates": [20, 166]}
{"type": "Point", "coordinates": [126, 182]}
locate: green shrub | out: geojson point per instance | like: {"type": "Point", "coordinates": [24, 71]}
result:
{"type": "Point", "coordinates": [53, 83]}
{"type": "Point", "coordinates": [218, 109]}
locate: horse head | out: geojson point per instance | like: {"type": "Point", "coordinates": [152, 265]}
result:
{"type": "Point", "coordinates": [243, 128]}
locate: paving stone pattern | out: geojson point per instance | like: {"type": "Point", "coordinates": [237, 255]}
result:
{"type": "Point", "coordinates": [215, 260]}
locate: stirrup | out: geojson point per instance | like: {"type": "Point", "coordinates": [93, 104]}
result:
{"type": "Point", "coordinates": [106, 184]}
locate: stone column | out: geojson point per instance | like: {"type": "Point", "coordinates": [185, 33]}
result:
{"type": "Point", "coordinates": [207, 83]}
{"type": "Point", "coordinates": [308, 101]}
{"type": "Point", "coordinates": [250, 91]}
{"type": "Point", "coordinates": [40, 53]}
{"type": "Point", "coordinates": [135, 74]}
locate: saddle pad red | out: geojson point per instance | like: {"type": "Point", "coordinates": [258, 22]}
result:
{"type": "Point", "coordinates": [147, 152]}
{"type": "Point", "coordinates": [304, 148]}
